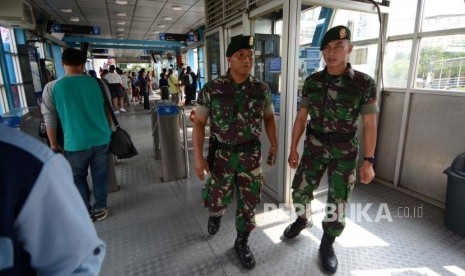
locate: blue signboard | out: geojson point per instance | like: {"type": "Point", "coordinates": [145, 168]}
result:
{"type": "Point", "coordinates": [310, 52]}
{"type": "Point", "coordinates": [275, 65]}
{"type": "Point", "coordinates": [311, 63]}
{"type": "Point", "coordinates": [95, 30]}
{"type": "Point", "coordinates": [276, 103]}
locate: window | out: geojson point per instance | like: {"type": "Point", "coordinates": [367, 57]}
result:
{"type": "Point", "coordinates": [213, 55]}
{"type": "Point", "coordinates": [441, 63]}
{"type": "Point", "coordinates": [363, 25]}
{"type": "Point", "coordinates": [396, 63]}
{"type": "Point", "coordinates": [401, 17]}
{"type": "Point", "coordinates": [363, 58]}
{"type": "Point", "coordinates": [440, 15]}
{"type": "Point", "coordinates": [13, 72]}
{"type": "Point", "coordinates": [3, 100]}
{"type": "Point", "coordinates": [308, 23]}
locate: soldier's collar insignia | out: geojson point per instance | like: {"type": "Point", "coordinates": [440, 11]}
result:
{"type": "Point", "coordinates": [251, 41]}
{"type": "Point", "coordinates": [342, 33]}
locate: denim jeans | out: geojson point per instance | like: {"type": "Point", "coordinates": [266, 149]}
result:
{"type": "Point", "coordinates": [97, 158]}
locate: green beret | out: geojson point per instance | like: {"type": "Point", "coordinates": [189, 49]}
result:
{"type": "Point", "coordinates": [338, 32]}
{"type": "Point", "coordinates": [239, 42]}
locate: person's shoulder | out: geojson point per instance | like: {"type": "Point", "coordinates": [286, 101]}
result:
{"type": "Point", "coordinates": [221, 80]}
{"type": "Point", "coordinates": [362, 77]}
{"type": "Point", "coordinates": [263, 86]}
{"type": "Point", "coordinates": [49, 86]}
{"type": "Point", "coordinates": [17, 141]}
{"type": "Point", "coordinates": [315, 76]}
{"type": "Point", "coordinates": [53, 82]}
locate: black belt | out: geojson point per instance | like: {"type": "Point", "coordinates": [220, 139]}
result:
{"type": "Point", "coordinates": [244, 147]}
{"type": "Point", "coordinates": [334, 137]}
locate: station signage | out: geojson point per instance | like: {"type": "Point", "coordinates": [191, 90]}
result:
{"type": "Point", "coordinates": [75, 29]}
{"type": "Point", "coordinates": [154, 52]}
{"type": "Point", "coordinates": [177, 37]}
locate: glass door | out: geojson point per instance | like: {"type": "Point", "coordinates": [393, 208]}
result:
{"type": "Point", "coordinates": [268, 30]}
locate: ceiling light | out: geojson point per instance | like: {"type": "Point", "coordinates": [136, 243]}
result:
{"type": "Point", "coordinates": [176, 7]}
{"type": "Point", "coordinates": [67, 10]}
{"type": "Point", "coordinates": [168, 18]}
{"type": "Point", "coordinates": [121, 2]}
{"type": "Point", "coordinates": [120, 30]}
{"type": "Point", "coordinates": [120, 14]}
{"type": "Point", "coordinates": [74, 19]}
{"type": "Point", "coordinates": [121, 23]}
{"type": "Point", "coordinates": [161, 26]}
{"type": "Point", "coordinates": [156, 32]}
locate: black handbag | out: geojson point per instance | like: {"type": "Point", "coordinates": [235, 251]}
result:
{"type": "Point", "coordinates": [120, 144]}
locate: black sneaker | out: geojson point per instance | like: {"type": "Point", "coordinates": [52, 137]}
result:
{"type": "Point", "coordinates": [296, 227]}
{"type": "Point", "coordinates": [101, 215]}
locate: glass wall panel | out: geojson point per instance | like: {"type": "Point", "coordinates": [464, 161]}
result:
{"type": "Point", "coordinates": [16, 96]}
{"type": "Point", "coordinates": [308, 23]}
{"type": "Point", "coordinates": [6, 39]}
{"type": "Point", "coordinates": [201, 72]}
{"type": "Point", "coordinates": [441, 63]}
{"type": "Point", "coordinates": [363, 25]}
{"type": "Point", "coordinates": [3, 100]}
{"type": "Point", "coordinates": [396, 63]}
{"type": "Point", "coordinates": [443, 15]}
{"type": "Point", "coordinates": [213, 55]}
{"type": "Point", "coordinates": [363, 58]}
{"type": "Point", "coordinates": [402, 17]}
{"type": "Point", "coordinates": [11, 68]}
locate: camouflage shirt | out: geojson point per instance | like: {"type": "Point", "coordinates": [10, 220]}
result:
{"type": "Point", "coordinates": [334, 103]}
{"type": "Point", "coordinates": [236, 111]}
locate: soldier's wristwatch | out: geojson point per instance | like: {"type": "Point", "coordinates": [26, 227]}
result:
{"type": "Point", "coordinates": [372, 159]}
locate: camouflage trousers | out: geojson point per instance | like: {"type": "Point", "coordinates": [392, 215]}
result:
{"type": "Point", "coordinates": [240, 172]}
{"type": "Point", "coordinates": [340, 159]}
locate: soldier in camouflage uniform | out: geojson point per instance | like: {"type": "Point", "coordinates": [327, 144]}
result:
{"type": "Point", "coordinates": [334, 98]}
{"type": "Point", "coordinates": [236, 104]}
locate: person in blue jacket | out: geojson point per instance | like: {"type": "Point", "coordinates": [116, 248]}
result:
{"type": "Point", "coordinates": [44, 225]}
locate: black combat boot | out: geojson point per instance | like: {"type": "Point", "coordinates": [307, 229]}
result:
{"type": "Point", "coordinates": [243, 250]}
{"type": "Point", "coordinates": [328, 258]}
{"type": "Point", "coordinates": [214, 225]}
{"type": "Point", "coordinates": [294, 229]}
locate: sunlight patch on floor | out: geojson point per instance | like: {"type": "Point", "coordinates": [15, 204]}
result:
{"type": "Point", "coordinates": [396, 271]}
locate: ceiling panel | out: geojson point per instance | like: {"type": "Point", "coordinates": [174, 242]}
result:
{"type": "Point", "coordinates": [141, 20]}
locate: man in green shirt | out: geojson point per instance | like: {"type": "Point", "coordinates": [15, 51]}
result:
{"type": "Point", "coordinates": [77, 101]}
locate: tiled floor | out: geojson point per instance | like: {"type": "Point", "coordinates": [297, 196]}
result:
{"type": "Point", "coordinates": [159, 228]}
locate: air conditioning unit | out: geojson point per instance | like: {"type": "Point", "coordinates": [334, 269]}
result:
{"type": "Point", "coordinates": [16, 14]}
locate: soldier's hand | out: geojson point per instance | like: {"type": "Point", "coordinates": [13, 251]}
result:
{"type": "Point", "coordinates": [293, 159]}
{"type": "Point", "coordinates": [366, 172]}
{"type": "Point", "coordinates": [271, 160]}
{"type": "Point", "coordinates": [201, 168]}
